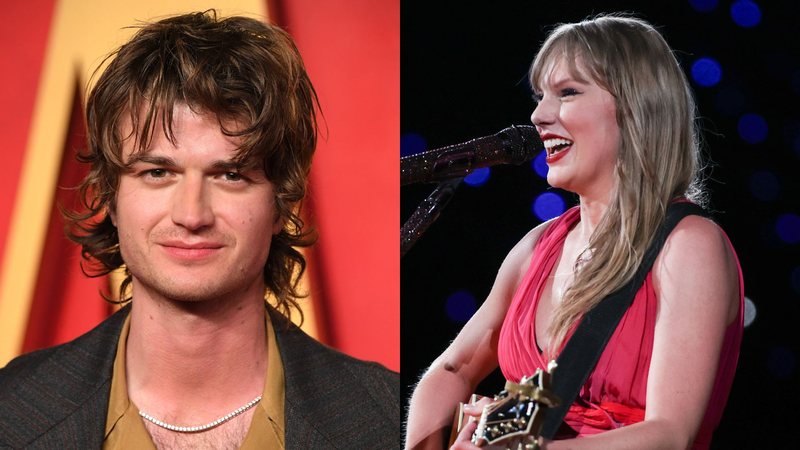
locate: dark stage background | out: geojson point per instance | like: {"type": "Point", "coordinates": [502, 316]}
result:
{"type": "Point", "coordinates": [463, 68]}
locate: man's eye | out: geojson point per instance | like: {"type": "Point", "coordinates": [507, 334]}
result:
{"type": "Point", "coordinates": [156, 173]}
{"type": "Point", "coordinates": [233, 176]}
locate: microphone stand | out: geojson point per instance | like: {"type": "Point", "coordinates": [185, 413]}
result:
{"type": "Point", "coordinates": [426, 213]}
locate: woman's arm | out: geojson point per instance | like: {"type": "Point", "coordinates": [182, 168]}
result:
{"type": "Point", "coordinates": [696, 281]}
{"type": "Point", "coordinates": [454, 375]}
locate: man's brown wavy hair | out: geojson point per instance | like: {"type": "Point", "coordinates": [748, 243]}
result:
{"type": "Point", "coordinates": [243, 71]}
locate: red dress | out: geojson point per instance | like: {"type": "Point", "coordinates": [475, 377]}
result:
{"type": "Point", "coordinates": [615, 393]}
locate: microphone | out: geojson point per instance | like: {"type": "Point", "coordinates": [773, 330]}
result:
{"type": "Point", "coordinates": [513, 145]}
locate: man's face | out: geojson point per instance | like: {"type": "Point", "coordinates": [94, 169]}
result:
{"type": "Point", "coordinates": [192, 225]}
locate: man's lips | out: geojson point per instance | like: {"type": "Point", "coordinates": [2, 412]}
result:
{"type": "Point", "coordinates": [190, 250]}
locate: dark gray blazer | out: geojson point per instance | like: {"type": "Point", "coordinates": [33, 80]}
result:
{"type": "Point", "coordinates": [58, 397]}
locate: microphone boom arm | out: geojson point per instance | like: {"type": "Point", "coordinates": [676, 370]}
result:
{"type": "Point", "coordinates": [426, 213]}
{"type": "Point", "coordinates": [449, 165]}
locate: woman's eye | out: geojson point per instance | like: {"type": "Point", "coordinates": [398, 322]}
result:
{"type": "Point", "coordinates": [537, 98]}
{"type": "Point", "coordinates": [568, 92]}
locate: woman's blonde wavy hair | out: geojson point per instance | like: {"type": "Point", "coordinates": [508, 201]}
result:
{"type": "Point", "coordinates": [659, 155]}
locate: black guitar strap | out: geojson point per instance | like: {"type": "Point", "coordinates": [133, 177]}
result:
{"type": "Point", "coordinates": [584, 348]}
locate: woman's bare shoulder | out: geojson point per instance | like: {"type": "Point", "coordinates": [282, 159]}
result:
{"type": "Point", "coordinates": [697, 256]}
{"type": "Point", "coordinates": [520, 255]}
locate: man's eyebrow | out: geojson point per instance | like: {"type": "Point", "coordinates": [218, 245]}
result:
{"type": "Point", "coordinates": [165, 161]}
{"type": "Point", "coordinates": [222, 165]}
{"type": "Point", "coordinates": [150, 159]}
{"type": "Point", "coordinates": [233, 166]}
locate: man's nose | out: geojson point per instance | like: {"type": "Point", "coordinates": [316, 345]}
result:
{"type": "Point", "coordinates": [191, 206]}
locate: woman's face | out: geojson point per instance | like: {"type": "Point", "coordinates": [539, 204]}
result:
{"type": "Point", "coordinates": [577, 121]}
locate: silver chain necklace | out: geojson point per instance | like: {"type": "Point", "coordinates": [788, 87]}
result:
{"type": "Point", "coordinates": [199, 428]}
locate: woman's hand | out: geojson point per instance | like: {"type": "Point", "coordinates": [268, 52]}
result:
{"type": "Point", "coordinates": [464, 439]}
{"type": "Point", "coordinates": [472, 414]}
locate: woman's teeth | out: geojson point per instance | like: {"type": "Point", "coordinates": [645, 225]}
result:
{"type": "Point", "coordinates": [555, 145]}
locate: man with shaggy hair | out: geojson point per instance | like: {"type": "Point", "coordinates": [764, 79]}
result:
{"type": "Point", "coordinates": [201, 134]}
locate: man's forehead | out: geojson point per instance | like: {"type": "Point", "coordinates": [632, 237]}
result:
{"type": "Point", "coordinates": [154, 116]}
{"type": "Point", "coordinates": [161, 137]}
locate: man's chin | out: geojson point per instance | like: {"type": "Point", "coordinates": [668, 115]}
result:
{"type": "Point", "coordinates": [186, 294]}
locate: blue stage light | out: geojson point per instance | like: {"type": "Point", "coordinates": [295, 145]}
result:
{"type": "Point", "coordinates": [752, 128]}
{"type": "Point", "coordinates": [460, 306]}
{"type": "Point", "coordinates": [479, 177]}
{"type": "Point", "coordinates": [412, 143]}
{"type": "Point", "coordinates": [706, 72]}
{"type": "Point", "coordinates": [764, 186]}
{"type": "Point", "coordinates": [745, 13]}
{"type": "Point", "coordinates": [548, 205]}
{"type": "Point", "coordinates": [703, 5]}
{"type": "Point", "coordinates": [787, 226]}
{"type": "Point", "coordinates": [539, 164]}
